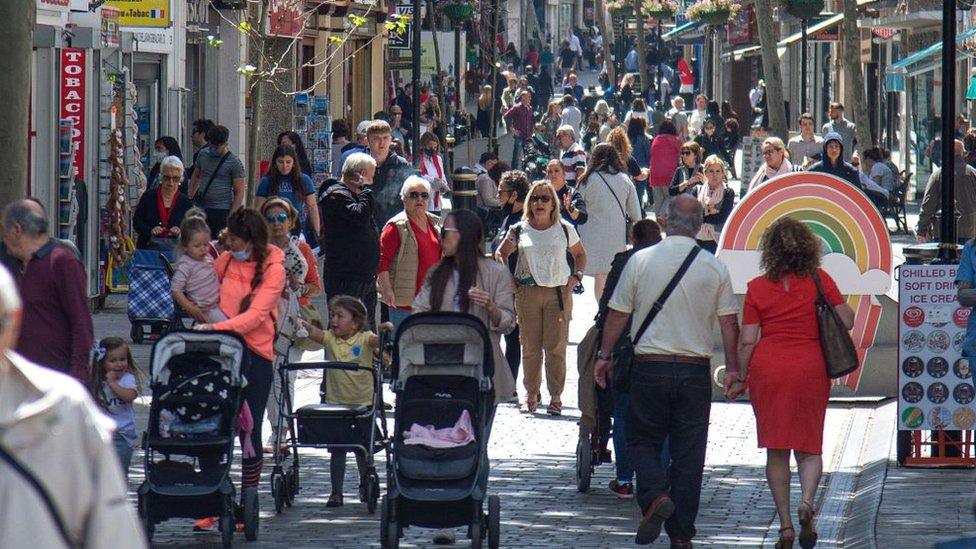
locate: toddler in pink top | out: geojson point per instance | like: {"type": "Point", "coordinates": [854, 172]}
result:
{"type": "Point", "coordinates": [195, 286]}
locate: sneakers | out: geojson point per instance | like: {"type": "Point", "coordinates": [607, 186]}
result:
{"type": "Point", "coordinates": [655, 515]}
{"type": "Point", "coordinates": [623, 490]}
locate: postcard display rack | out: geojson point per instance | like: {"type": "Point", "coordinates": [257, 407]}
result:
{"type": "Point", "coordinates": [67, 171]}
{"type": "Point", "coordinates": [313, 123]}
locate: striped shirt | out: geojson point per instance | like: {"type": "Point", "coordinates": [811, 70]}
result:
{"type": "Point", "coordinates": [573, 159]}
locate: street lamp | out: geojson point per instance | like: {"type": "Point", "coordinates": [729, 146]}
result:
{"type": "Point", "coordinates": [803, 10]}
{"type": "Point", "coordinates": [947, 242]}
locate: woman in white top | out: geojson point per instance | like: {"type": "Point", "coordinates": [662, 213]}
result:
{"type": "Point", "coordinates": [611, 206]}
{"type": "Point", "coordinates": [432, 169]}
{"type": "Point", "coordinates": [544, 278]}
{"type": "Point", "coordinates": [697, 118]}
{"type": "Point", "coordinates": [775, 162]}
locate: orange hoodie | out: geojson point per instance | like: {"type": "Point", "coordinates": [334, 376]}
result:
{"type": "Point", "coordinates": [257, 323]}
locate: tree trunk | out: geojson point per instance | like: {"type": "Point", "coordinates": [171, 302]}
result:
{"type": "Point", "coordinates": [645, 74]}
{"type": "Point", "coordinates": [441, 89]}
{"type": "Point", "coordinates": [15, 65]}
{"type": "Point", "coordinates": [771, 70]}
{"type": "Point", "coordinates": [601, 22]}
{"type": "Point", "coordinates": [257, 93]}
{"type": "Point", "coordinates": [854, 76]}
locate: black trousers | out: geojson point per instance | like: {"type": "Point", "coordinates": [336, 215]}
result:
{"type": "Point", "coordinates": [670, 400]}
{"type": "Point", "coordinates": [513, 352]}
{"type": "Point", "coordinates": [216, 220]}
{"type": "Point", "coordinates": [362, 287]}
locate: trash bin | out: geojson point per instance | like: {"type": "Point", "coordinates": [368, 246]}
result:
{"type": "Point", "coordinates": [464, 195]}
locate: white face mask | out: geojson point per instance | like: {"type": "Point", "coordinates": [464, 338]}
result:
{"type": "Point", "coordinates": [158, 156]}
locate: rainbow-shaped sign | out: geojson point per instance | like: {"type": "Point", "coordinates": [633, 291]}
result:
{"type": "Point", "coordinates": [846, 222]}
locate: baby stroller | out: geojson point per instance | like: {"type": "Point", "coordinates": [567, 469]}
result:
{"type": "Point", "coordinates": [359, 428]}
{"type": "Point", "coordinates": [196, 381]}
{"type": "Point", "coordinates": [150, 301]}
{"type": "Point", "coordinates": [442, 370]}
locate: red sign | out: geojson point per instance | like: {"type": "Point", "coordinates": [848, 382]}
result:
{"type": "Point", "coordinates": [742, 29]}
{"type": "Point", "coordinates": [286, 18]}
{"type": "Point", "coordinates": [73, 64]}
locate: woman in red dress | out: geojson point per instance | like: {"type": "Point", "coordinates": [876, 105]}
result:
{"type": "Point", "coordinates": [786, 375]}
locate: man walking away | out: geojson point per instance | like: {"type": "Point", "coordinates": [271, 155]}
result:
{"type": "Point", "coordinates": [57, 329]}
{"type": "Point", "coordinates": [670, 381]}
{"type": "Point", "coordinates": [218, 180]}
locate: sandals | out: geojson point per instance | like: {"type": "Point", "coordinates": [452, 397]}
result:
{"type": "Point", "coordinates": [530, 406]}
{"type": "Point", "coordinates": [808, 535]}
{"type": "Point", "coordinates": [555, 408]}
{"type": "Point", "coordinates": [786, 542]}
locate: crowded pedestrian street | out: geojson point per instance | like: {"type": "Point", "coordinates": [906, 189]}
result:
{"type": "Point", "coordinates": [488, 273]}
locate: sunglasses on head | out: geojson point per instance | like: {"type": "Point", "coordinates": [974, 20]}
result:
{"type": "Point", "coordinates": [544, 198]}
{"type": "Point", "coordinates": [445, 230]}
{"type": "Point", "coordinates": [280, 218]}
{"type": "Point", "coordinates": [417, 195]}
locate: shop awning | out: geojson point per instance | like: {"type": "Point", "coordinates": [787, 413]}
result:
{"type": "Point", "coordinates": [812, 30]}
{"type": "Point", "coordinates": [931, 54]}
{"type": "Point", "coordinates": [681, 29]}
{"type": "Point", "coordinates": [743, 51]}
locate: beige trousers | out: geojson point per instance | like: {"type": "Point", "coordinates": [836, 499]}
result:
{"type": "Point", "coordinates": [543, 328]}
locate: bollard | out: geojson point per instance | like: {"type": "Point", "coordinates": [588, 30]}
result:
{"type": "Point", "coordinates": [464, 195]}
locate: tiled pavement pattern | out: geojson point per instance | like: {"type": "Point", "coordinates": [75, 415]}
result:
{"type": "Point", "coordinates": [533, 471]}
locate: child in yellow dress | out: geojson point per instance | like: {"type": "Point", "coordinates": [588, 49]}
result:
{"type": "Point", "coordinates": [348, 339]}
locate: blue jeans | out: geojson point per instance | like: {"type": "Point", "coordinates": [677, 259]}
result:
{"type": "Point", "coordinates": [670, 400]}
{"type": "Point", "coordinates": [124, 450]}
{"type": "Point", "coordinates": [625, 471]}
{"type": "Point", "coordinates": [517, 146]}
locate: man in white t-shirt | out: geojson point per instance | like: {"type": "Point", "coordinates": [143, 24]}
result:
{"type": "Point", "coordinates": [679, 118]}
{"type": "Point", "coordinates": [806, 148]}
{"type": "Point", "coordinates": [670, 380]}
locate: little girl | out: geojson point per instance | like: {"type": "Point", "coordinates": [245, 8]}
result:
{"type": "Point", "coordinates": [114, 385]}
{"type": "Point", "coordinates": [348, 339]}
{"type": "Point", "coordinates": [195, 286]}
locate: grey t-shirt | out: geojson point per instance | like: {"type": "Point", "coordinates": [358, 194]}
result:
{"type": "Point", "coordinates": [800, 149]}
{"type": "Point", "coordinates": [220, 195]}
{"type": "Point", "coordinates": [846, 130]}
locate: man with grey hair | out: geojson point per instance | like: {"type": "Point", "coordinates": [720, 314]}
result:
{"type": "Point", "coordinates": [349, 235]}
{"type": "Point", "coordinates": [55, 444]}
{"type": "Point", "coordinates": [573, 157]}
{"type": "Point", "coordinates": [670, 377]}
{"type": "Point", "coordinates": [57, 329]}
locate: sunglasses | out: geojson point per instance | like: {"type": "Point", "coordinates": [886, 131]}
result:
{"type": "Point", "coordinates": [445, 230]}
{"type": "Point", "coordinates": [686, 153]}
{"type": "Point", "coordinates": [716, 170]}
{"type": "Point", "coordinates": [176, 178]}
{"type": "Point", "coordinates": [769, 152]}
{"type": "Point", "coordinates": [418, 195]}
{"type": "Point", "coordinates": [544, 198]}
{"type": "Point", "coordinates": [280, 218]}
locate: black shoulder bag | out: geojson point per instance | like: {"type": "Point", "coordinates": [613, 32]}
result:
{"type": "Point", "coordinates": [42, 493]}
{"type": "Point", "coordinates": [624, 352]}
{"type": "Point", "coordinates": [198, 198]}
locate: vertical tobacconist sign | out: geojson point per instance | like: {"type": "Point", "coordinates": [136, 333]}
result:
{"type": "Point", "coordinates": [73, 84]}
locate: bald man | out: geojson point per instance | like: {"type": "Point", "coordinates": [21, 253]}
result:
{"type": "Point", "coordinates": [57, 329]}
{"type": "Point", "coordinates": [964, 184]}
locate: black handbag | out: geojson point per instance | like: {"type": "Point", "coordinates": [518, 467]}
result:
{"type": "Point", "coordinates": [624, 351]}
{"type": "Point", "coordinates": [840, 355]}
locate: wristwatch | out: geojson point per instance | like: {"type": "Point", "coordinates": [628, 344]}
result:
{"type": "Point", "coordinates": [579, 276]}
{"type": "Point", "coordinates": [600, 355]}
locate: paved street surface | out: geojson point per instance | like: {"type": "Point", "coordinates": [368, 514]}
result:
{"type": "Point", "coordinates": [532, 460]}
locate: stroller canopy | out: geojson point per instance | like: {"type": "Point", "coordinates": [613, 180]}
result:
{"type": "Point", "coordinates": [224, 348]}
{"type": "Point", "coordinates": [443, 343]}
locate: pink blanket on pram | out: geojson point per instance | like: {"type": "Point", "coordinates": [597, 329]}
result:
{"type": "Point", "coordinates": [449, 437]}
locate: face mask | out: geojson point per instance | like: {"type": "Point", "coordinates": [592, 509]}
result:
{"type": "Point", "coordinates": [158, 156]}
{"type": "Point", "coordinates": [242, 255]}
{"type": "Point", "coordinates": [429, 152]}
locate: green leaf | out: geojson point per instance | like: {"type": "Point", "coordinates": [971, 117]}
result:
{"type": "Point", "coordinates": [356, 20]}
{"type": "Point", "coordinates": [335, 39]}
{"type": "Point", "coordinates": [244, 27]}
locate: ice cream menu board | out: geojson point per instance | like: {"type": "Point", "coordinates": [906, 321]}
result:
{"type": "Point", "coordinates": [935, 386]}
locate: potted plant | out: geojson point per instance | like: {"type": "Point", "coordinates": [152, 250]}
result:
{"type": "Point", "coordinates": [803, 9]}
{"type": "Point", "coordinates": [458, 10]}
{"type": "Point", "coordinates": [659, 9]}
{"type": "Point", "coordinates": [619, 7]}
{"type": "Point", "coordinates": [713, 12]}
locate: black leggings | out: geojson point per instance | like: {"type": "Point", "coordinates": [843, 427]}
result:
{"type": "Point", "coordinates": [259, 374]}
{"type": "Point", "coordinates": [337, 468]}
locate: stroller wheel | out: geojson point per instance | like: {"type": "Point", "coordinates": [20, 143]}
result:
{"type": "Point", "coordinates": [288, 488]}
{"type": "Point", "coordinates": [372, 491]}
{"type": "Point", "coordinates": [584, 464]}
{"type": "Point", "coordinates": [389, 531]}
{"type": "Point", "coordinates": [251, 516]}
{"type": "Point", "coordinates": [293, 483]}
{"type": "Point", "coordinates": [494, 522]}
{"type": "Point", "coordinates": [278, 490]}
{"type": "Point", "coordinates": [477, 526]}
{"type": "Point", "coordinates": [227, 529]}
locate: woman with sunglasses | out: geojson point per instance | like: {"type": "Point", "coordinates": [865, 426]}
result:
{"type": "Point", "coordinates": [775, 162]}
{"type": "Point", "coordinates": [409, 247]}
{"type": "Point", "coordinates": [550, 263]}
{"type": "Point", "coordinates": [716, 200]}
{"type": "Point", "coordinates": [689, 173]}
{"type": "Point", "coordinates": [571, 204]}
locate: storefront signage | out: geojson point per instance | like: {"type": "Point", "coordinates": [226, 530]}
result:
{"type": "Point", "coordinates": [286, 18]}
{"type": "Point", "coordinates": [742, 29]}
{"type": "Point", "coordinates": [197, 14]}
{"type": "Point", "coordinates": [110, 27]}
{"type": "Point", "coordinates": [852, 234]}
{"type": "Point", "coordinates": [153, 40]}
{"type": "Point", "coordinates": [54, 5]}
{"type": "Point", "coordinates": [935, 389]}
{"type": "Point", "coordinates": [403, 41]}
{"type": "Point", "coordinates": [73, 63]}
{"type": "Point", "coordinates": [142, 13]}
